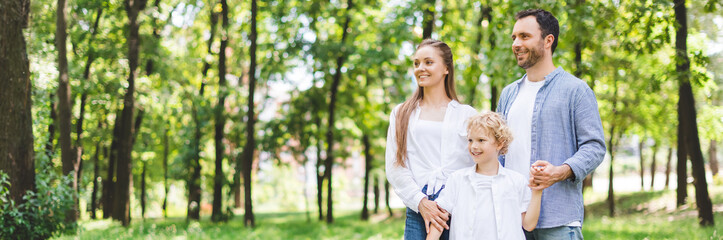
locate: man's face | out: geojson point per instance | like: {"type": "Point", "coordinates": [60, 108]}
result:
{"type": "Point", "coordinates": [528, 45]}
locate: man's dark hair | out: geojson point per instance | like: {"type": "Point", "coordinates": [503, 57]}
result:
{"type": "Point", "coordinates": [548, 23]}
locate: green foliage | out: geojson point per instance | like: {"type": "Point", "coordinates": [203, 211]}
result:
{"type": "Point", "coordinates": [42, 215]}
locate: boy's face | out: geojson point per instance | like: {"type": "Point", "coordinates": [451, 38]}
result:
{"type": "Point", "coordinates": [482, 146]}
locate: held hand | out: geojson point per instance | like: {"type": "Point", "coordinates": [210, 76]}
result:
{"type": "Point", "coordinates": [432, 215]}
{"type": "Point", "coordinates": [543, 174]}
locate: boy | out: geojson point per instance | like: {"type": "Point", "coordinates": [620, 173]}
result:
{"type": "Point", "coordinates": [486, 200]}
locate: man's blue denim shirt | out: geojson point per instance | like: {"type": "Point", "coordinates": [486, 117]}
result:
{"type": "Point", "coordinates": [566, 129]}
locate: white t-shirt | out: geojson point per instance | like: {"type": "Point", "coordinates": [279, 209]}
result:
{"type": "Point", "coordinates": [519, 119]}
{"type": "Point", "coordinates": [429, 138]}
{"type": "Point", "coordinates": [465, 197]}
{"type": "Point", "coordinates": [485, 225]}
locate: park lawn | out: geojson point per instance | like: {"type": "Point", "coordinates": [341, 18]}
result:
{"type": "Point", "coordinates": [641, 215]}
{"type": "Point", "coordinates": [269, 226]}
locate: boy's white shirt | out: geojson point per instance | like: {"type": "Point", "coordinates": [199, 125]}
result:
{"type": "Point", "coordinates": [420, 170]}
{"type": "Point", "coordinates": [510, 197]}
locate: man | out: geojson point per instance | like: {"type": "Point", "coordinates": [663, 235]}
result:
{"type": "Point", "coordinates": [555, 122]}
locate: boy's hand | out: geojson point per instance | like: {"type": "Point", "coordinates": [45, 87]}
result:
{"type": "Point", "coordinates": [534, 170]}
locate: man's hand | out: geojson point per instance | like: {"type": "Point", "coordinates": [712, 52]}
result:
{"type": "Point", "coordinates": [543, 174]}
{"type": "Point", "coordinates": [433, 215]}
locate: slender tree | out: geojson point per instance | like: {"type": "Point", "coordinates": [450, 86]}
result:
{"type": "Point", "coordinates": [249, 148]}
{"type": "Point", "coordinates": [687, 125]}
{"type": "Point", "coordinates": [428, 18]}
{"type": "Point", "coordinates": [51, 127]}
{"type": "Point", "coordinates": [641, 144]}
{"type": "Point", "coordinates": [109, 182]}
{"type": "Point", "coordinates": [611, 149]}
{"type": "Point", "coordinates": [713, 153]}
{"type": "Point", "coordinates": [667, 167]}
{"type": "Point", "coordinates": [165, 169]}
{"type": "Point", "coordinates": [194, 181]}
{"type": "Point", "coordinates": [653, 165]}
{"type": "Point", "coordinates": [218, 180]}
{"type": "Point", "coordinates": [125, 141]}
{"type": "Point", "coordinates": [96, 172]}
{"type": "Point", "coordinates": [486, 11]}
{"type": "Point", "coordinates": [332, 107]}
{"type": "Point", "coordinates": [367, 170]}
{"type": "Point", "coordinates": [70, 165]}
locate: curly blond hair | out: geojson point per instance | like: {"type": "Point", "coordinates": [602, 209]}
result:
{"type": "Point", "coordinates": [492, 122]}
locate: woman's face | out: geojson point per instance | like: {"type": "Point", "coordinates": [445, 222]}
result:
{"type": "Point", "coordinates": [429, 67]}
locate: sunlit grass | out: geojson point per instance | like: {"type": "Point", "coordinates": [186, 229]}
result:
{"type": "Point", "coordinates": [269, 226]}
{"type": "Point", "coordinates": [639, 215]}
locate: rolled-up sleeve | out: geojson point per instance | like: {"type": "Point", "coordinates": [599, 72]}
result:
{"type": "Point", "coordinates": [590, 136]}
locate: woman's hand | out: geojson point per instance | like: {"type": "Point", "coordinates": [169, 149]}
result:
{"type": "Point", "coordinates": [433, 215]}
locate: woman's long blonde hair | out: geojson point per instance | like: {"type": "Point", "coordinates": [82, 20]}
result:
{"type": "Point", "coordinates": [405, 110]}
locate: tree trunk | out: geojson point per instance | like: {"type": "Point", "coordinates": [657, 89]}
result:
{"type": "Point", "coordinates": [386, 197]}
{"type": "Point", "coordinates": [687, 117]}
{"type": "Point", "coordinates": [641, 144]}
{"type": "Point", "coordinates": [165, 170]}
{"type": "Point", "coordinates": [367, 169]}
{"type": "Point", "coordinates": [587, 182]}
{"type": "Point", "coordinates": [713, 155]}
{"type": "Point", "coordinates": [109, 183]}
{"type": "Point", "coordinates": [653, 166]}
{"type": "Point", "coordinates": [237, 182]}
{"type": "Point", "coordinates": [78, 148]}
{"type": "Point", "coordinates": [611, 192]}
{"type": "Point", "coordinates": [17, 158]}
{"type": "Point", "coordinates": [306, 181]}
{"type": "Point", "coordinates": [328, 164]}
{"type": "Point", "coordinates": [476, 67]}
{"type": "Point", "coordinates": [51, 128]}
{"type": "Point", "coordinates": [682, 168]}
{"type": "Point", "coordinates": [66, 149]}
{"type": "Point", "coordinates": [667, 167]}
{"type": "Point", "coordinates": [692, 145]}
{"type": "Point", "coordinates": [611, 150]}
{"type": "Point", "coordinates": [218, 180]}
{"type": "Point", "coordinates": [96, 175]}
{"type": "Point", "coordinates": [319, 174]}
{"type": "Point", "coordinates": [156, 37]}
{"type": "Point", "coordinates": [494, 89]}
{"type": "Point", "coordinates": [194, 182]}
{"type": "Point", "coordinates": [143, 191]}
{"type": "Point", "coordinates": [248, 151]}
{"type": "Point", "coordinates": [376, 193]}
{"type": "Point", "coordinates": [428, 21]}
{"type": "Point", "coordinates": [236, 188]}
{"type": "Point", "coordinates": [125, 141]}
{"type": "Point", "coordinates": [84, 96]}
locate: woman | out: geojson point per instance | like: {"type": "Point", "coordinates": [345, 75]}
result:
{"type": "Point", "coordinates": [427, 140]}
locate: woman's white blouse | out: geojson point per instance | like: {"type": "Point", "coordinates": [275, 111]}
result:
{"type": "Point", "coordinates": [422, 169]}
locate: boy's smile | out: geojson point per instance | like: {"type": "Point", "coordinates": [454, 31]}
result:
{"type": "Point", "coordinates": [482, 146]}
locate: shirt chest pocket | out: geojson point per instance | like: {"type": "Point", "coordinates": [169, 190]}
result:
{"type": "Point", "coordinates": [508, 195]}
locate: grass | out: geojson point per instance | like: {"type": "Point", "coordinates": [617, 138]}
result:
{"type": "Point", "coordinates": [640, 215]}
{"type": "Point", "coordinates": [269, 226]}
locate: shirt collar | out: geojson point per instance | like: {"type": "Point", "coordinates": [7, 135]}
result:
{"type": "Point", "coordinates": [501, 171]}
{"type": "Point", "coordinates": [548, 78]}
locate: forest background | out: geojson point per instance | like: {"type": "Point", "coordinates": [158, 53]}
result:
{"type": "Point", "coordinates": [134, 109]}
